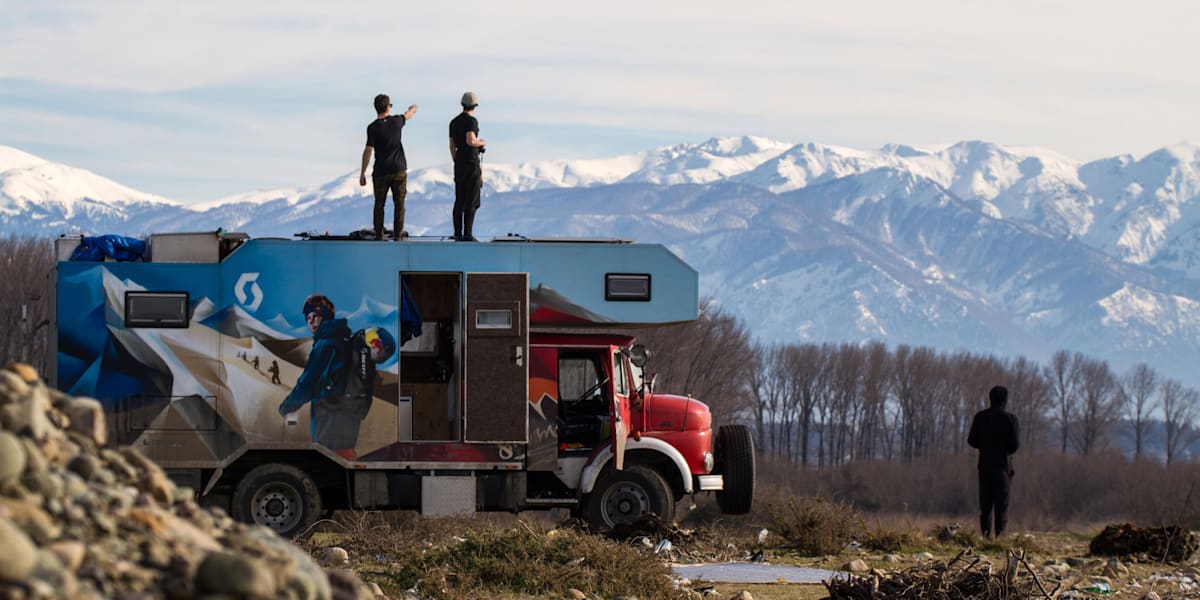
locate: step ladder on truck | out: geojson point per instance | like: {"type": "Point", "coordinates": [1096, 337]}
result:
{"type": "Point", "coordinates": [283, 379]}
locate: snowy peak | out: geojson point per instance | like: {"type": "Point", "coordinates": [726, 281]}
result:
{"type": "Point", "coordinates": [31, 183]}
{"type": "Point", "coordinates": [11, 158]}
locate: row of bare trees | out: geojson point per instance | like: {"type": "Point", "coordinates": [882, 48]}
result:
{"type": "Point", "coordinates": [24, 265]}
{"type": "Point", "coordinates": [824, 405]}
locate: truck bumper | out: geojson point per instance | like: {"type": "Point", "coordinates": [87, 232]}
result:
{"type": "Point", "coordinates": [710, 483]}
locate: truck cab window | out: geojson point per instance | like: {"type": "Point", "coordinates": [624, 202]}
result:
{"type": "Point", "coordinates": [582, 392]}
{"type": "Point", "coordinates": [620, 373]}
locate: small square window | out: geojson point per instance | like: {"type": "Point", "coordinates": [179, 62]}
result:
{"type": "Point", "coordinates": [157, 309]}
{"type": "Point", "coordinates": [493, 319]}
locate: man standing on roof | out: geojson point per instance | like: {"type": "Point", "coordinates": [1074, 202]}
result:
{"type": "Point", "coordinates": [391, 168]}
{"type": "Point", "coordinates": [465, 147]}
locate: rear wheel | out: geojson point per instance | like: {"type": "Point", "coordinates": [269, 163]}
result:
{"type": "Point", "coordinates": [735, 463]}
{"type": "Point", "coordinates": [628, 495]}
{"type": "Point", "coordinates": [279, 496]}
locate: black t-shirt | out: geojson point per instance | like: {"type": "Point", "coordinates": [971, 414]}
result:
{"type": "Point", "coordinates": [458, 132]}
{"type": "Point", "coordinates": [384, 136]}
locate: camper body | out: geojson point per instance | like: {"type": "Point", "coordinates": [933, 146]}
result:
{"type": "Point", "coordinates": [512, 386]}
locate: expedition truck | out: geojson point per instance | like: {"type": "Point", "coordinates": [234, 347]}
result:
{"type": "Point", "coordinates": [283, 379]}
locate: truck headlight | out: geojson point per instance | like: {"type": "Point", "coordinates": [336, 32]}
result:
{"type": "Point", "coordinates": [708, 461]}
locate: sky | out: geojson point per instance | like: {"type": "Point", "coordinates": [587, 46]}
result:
{"type": "Point", "coordinates": [195, 101]}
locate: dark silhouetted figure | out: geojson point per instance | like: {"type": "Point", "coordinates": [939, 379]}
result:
{"type": "Point", "coordinates": [274, 371]}
{"type": "Point", "coordinates": [996, 433]}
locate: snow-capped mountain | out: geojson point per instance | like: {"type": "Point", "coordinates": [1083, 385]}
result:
{"type": "Point", "coordinates": [993, 249]}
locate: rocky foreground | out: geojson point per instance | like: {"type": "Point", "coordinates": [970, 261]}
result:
{"type": "Point", "coordinates": [79, 519]}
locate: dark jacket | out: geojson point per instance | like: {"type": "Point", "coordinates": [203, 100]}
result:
{"type": "Point", "coordinates": [996, 434]}
{"type": "Point", "coordinates": [322, 377]}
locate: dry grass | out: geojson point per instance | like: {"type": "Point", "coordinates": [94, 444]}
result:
{"type": "Point", "coordinates": [491, 557]}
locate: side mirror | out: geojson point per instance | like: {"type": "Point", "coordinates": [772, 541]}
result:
{"type": "Point", "coordinates": [639, 355]}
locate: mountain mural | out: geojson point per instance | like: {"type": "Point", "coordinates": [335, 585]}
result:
{"type": "Point", "coordinates": [1012, 251]}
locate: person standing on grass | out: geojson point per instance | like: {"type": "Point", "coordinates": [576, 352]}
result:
{"type": "Point", "coordinates": [391, 168]}
{"type": "Point", "coordinates": [997, 435]}
{"type": "Point", "coordinates": [465, 147]}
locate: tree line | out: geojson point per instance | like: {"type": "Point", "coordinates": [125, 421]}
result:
{"type": "Point", "coordinates": [823, 405]}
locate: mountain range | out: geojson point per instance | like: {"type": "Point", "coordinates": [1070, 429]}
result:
{"type": "Point", "coordinates": [975, 246]}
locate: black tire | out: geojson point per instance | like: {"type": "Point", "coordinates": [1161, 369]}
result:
{"type": "Point", "coordinates": [278, 496]}
{"type": "Point", "coordinates": [735, 463]}
{"type": "Point", "coordinates": [625, 496]}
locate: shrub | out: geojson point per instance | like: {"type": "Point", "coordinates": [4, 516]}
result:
{"type": "Point", "coordinates": [815, 526]}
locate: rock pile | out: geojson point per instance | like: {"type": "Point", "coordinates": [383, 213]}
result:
{"type": "Point", "coordinates": [79, 519]}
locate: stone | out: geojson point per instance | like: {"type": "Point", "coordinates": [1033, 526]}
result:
{"type": "Point", "coordinates": [742, 595]}
{"type": "Point", "coordinates": [70, 552]}
{"type": "Point", "coordinates": [12, 457]}
{"type": "Point", "coordinates": [347, 586]}
{"type": "Point", "coordinates": [227, 573]}
{"type": "Point", "coordinates": [35, 522]}
{"type": "Point", "coordinates": [1076, 562]}
{"type": "Point", "coordinates": [87, 417]}
{"type": "Point", "coordinates": [34, 461]}
{"type": "Point", "coordinates": [857, 565]}
{"type": "Point", "coordinates": [891, 558]}
{"type": "Point", "coordinates": [159, 486]}
{"type": "Point", "coordinates": [574, 594]}
{"type": "Point", "coordinates": [924, 556]}
{"type": "Point", "coordinates": [334, 557]}
{"type": "Point", "coordinates": [84, 465]}
{"type": "Point", "coordinates": [24, 371]}
{"type": "Point", "coordinates": [1151, 595]}
{"type": "Point", "coordinates": [12, 386]}
{"type": "Point", "coordinates": [28, 416]}
{"type": "Point", "coordinates": [19, 557]}
{"type": "Point", "coordinates": [50, 569]}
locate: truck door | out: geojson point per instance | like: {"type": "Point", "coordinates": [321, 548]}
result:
{"type": "Point", "coordinates": [494, 360]}
{"type": "Point", "coordinates": [620, 408]}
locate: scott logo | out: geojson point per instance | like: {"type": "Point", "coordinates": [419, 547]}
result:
{"type": "Point", "coordinates": [252, 299]}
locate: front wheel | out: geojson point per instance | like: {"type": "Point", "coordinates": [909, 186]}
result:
{"type": "Point", "coordinates": [628, 495]}
{"type": "Point", "coordinates": [734, 455]}
{"type": "Point", "coordinates": [279, 496]}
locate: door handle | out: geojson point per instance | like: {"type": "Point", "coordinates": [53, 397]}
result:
{"type": "Point", "coordinates": [519, 356]}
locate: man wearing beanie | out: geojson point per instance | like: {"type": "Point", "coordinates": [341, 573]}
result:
{"type": "Point", "coordinates": [996, 434]}
{"type": "Point", "coordinates": [322, 383]}
{"type": "Point", "coordinates": [465, 147]}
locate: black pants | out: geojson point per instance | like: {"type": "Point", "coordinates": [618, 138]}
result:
{"type": "Point", "coordinates": [398, 184]}
{"type": "Point", "coordinates": [994, 487]}
{"type": "Point", "coordinates": [468, 181]}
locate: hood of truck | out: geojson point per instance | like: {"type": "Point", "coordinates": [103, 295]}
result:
{"type": "Point", "coordinates": [668, 412]}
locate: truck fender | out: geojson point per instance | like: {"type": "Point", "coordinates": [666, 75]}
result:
{"type": "Point", "coordinates": [592, 471]}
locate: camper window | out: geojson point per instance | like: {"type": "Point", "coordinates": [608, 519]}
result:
{"type": "Point", "coordinates": [156, 309]}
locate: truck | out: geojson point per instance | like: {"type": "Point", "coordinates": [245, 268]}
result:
{"type": "Point", "coordinates": [282, 379]}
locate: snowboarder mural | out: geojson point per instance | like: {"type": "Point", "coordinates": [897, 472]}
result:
{"type": "Point", "coordinates": [338, 378]}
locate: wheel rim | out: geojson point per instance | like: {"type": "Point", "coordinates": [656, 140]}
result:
{"type": "Point", "coordinates": [624, 503]}
{"type": "Point", "coordinates": [278, 506]}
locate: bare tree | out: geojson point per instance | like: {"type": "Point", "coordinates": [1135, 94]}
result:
{"type": "Point", "coordinates": [1030, 400]}
{"type": "Point", "coordinates": [1179, 405]}
{"type": "Point", "coordinates": [1099, 404]}
{"type": "Point", "coordinates": [1139, 385]}
{"type": "Point", "coordinates": [1062, 372]}
{"type": "Point", "coordinates": [709, 359]}
{"type": "Point", "coordinates": [768, 384]}
{"type": "Point", "coordinates": [806, 370]}
{"type": "Point", "coordinates": [25, 263]}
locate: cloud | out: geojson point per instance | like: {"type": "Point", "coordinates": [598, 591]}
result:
{"type": "Point", "coordinates": [278, 93]}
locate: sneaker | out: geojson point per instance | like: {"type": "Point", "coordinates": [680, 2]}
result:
{"type": "Point", "coordinates": [403, 236]}
{"type": "Point", "coordinates": [467, 238]}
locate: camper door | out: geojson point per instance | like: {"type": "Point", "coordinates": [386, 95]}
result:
{"type": "Point", "coordinates": [496, 372]}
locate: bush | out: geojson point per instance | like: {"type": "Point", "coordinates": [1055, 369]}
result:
{"type": "Point", "coordinates": [814, 526]}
